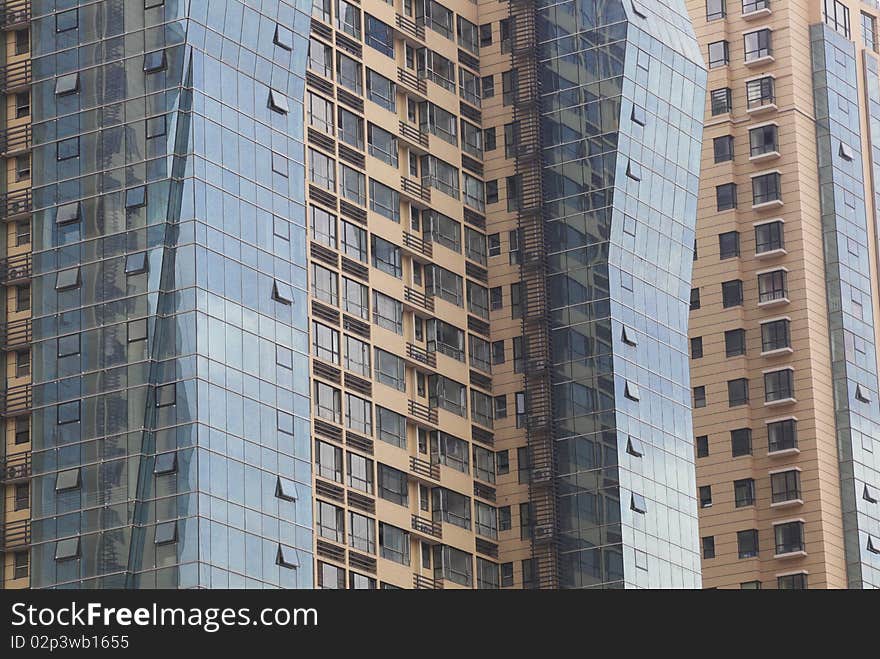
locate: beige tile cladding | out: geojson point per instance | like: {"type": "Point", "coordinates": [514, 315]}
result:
{"type": "Point", "coordinates": [807, 308]}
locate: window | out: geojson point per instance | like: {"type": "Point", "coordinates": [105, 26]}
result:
{"type": "Point", "coordinates": [20, 565]}
{"type": "Point", "coordinates": [442, 229]}
{"type": "Point", "coordinates": [700, 396]}
{"type": "Point", "coordinates": [323, 226]}
{"type": "Point", "coordinates": [22, 167]}
{"type": "Point", "coordinates": [325, 285]}
{"type": "Point", "coordinates": [353, 185]}
{"type": "Point", "coordinates": [354, 241]}
{"type": "Point", "coordinates": [435, 16]}
{"type": "Point", "coordinates": [355, 298]}
{"type": "Point", "coordinates": [766, 188]}
{"type": "Point", "coordinates": [22, 104]}
{"type": "Point", "coordinates": [778, 385]}
{"type": "Point", "coordinates": [489, 140]}
{"type": "Point", "coordinates": [382, 144]}
{"type": "Point", "coordinates": [278, 102]}
{"type": "Point", "coordinates": [501, 406]}
{"type": "Point", "coordinates": [325, 345]}
{"type": "Point", "coordinates": [782, 435]}
{"type": "Point", "coordinates": [638, 115]}
{"type": "Point", "coordinates": [391, 427]}
{"type": "Point", "coordinates": [379, 35]}
{"type": "Point", "coordinates": [723, 148]}
{"type": "Point", "coordinates": [751, 6]}
{"type": "Point", "coordinates": [22, 430]}
{"type": "Point", "coordinates": [702, 443]}
{"type": "Point", "coordinates": [22, 496]}
{"type": "Point", "coordinates": [695, 299]}
{"type": "Point", "coordinates": [328, 402]}
{"type": "Point", "coordinates": [792, 581]}
{"type": "Point", "coordinates": [705, 495]}
{"type": "Point", "coordinates": [732, 293]}
{"type": "Point", "coordinates": [136, 263]}
{"type": "Point", "coordinates": [447, 394]}
{"type": "Point", "coordinates": [469, 86]}
{"type": "Point", "coordinates": [358, 414]}
{"type": "Point", "coordinates": [471, 139]}
{"type": "Point", "coordinates": [757, 45]}
{"type": "Point", "coordinates": [869, 31]}
{"type": "Point", "coordinates": [386, 257]}
{"type": "Point", "coordinates": [473, 192]}
{"type": "Point", "coordinates": [760, 92]}
{"type": "Point", "coordinates": [322, 170]}
{"type": "Point", "coordinates": [763, 140]}
{"type": "Point", "coordinates": [22, 363]}
{"type": "Point", "coordinates": [631, 390]}
{"type": "Point", "coordinates": [348, 18]}
{"type": "Point", "coordinates": [837, 16]}
{"type": "Point", "coordinates": [484, 464]}
{"type": "Point", "coordinates": [785, 486]}
{"type": "Point", "coordinates": [511, 139]}
{"type": "Point", "coordinates": [735, 342]}
{"type": "Point", "coordinates": [515, 295]}
{"type": "Point", "coordinates": [525, 521]}
{"type": "Point", "coordinates": [789, 537]}
{"type": "Point", "coordinates": [719, 54]}
{"type": "Point", "coordinates": [330, 521]}
{"type": "Point", "coordinates": [488, 86]}
{"type": "Point", "coordinates": [68, 345]}
{"type": "Point", "coordinates": [504, 27]}
{"type": "Point", "coordinates": [166, 463]}
{"type": "Point", "coordinates": [154, 61]}
{"type": "Point", "coordinates": [444, 284]}
{"type": "Point", "coordinates": [361, 533]}
{"type": "Point", "coordinates": [709, 546]}
{"type": "Point", "coordinates": [775, 335]}
{"type": "Point", "coordinates": [771, 286]}
{"type": "Point", "coordinates": [747, 543]}
{"type": "Point", "coordinates": [283, 37]}
{"type": "Point", "coordinates": [360, 472]}
{"type": "Point", "coordinates": [450, 451]}
{"type": "Point", "coordinates": [433, 66]}
{"type": "Point", "coordinates": [452, 507]}
{"type": "Point", "coordinates": [715, 9]}
{"type": "Point", "coordinates": [67, 549]}
{"type": "Point", "coordinates": [737, 392]}
{"type": "Point", "coordinates": [66, 279]}
{"type": "Point", "coordinates": [485, 35]}
{"type": "Point", "coordinates": [744, 492]}
{"type": "Point", "coordinates": [392, 485]}
{"type": "Point", "coordinates": [697, 347]}
{"type": "Point", "coordinates": [453, 564]}
{"type": "Point", "coordinates": [721, 100]}
{"type": "Point", "coordinates": [637, 503]}
{"type": "Point", "coordinates": [741, 441]}
{"type": "Point", "coordinates": [394, 543]}
{"type": "Point", "coordinates": [445, 338]}
{"type": "Point", "coordinates": [348, 73]}
{"type": "Point", "coordinates": [508, 85]}
{"type": "Point", "coordinates": [390, 370]}
{"type": "Point", "coordinates": [66, 84]}
{"type": "Point", "coordinates": [440, 175]}
{"type": "Point", "coordinates": [66, 149]}
{"type": "Point", "coordinates": [728, 244]}
{"type": "Point", "coordinates": [769, 237]}
{"type": "Point", "coordinates": [725, 196]}
{"type": "Point", "coordinates": [481, 408]}
{"type": "Point", "coordinates": [23, 37]}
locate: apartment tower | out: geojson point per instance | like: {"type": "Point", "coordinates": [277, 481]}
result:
{"type": "Point", "coordinates": [784, 308]}
{"type": "Point", "coordinates": [349, 294]}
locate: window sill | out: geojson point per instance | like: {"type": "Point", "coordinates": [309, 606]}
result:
{"type": "Point", "coordinates": [781, 401]}
{"type": "Point", "coordinates": [762, 109]}
{"type": "Point", "coordinates": [791, 554]}
{"type": "Point", "coordinates": [771, 253]}
{"type": "Point", "coordinates": [774, 303]}
{"type": "Point", "coordinates": [788, 504]}
{"type": "Point", "coordinates": [760, 61]}
{"type": "Point", "coordinates": [773, 203]}
{"type": "Point", "coordinates": [783, 453]}
{"type": "Point", "coordinates": [761, 157]}
{"type": "Point", "coordinates": [755, 15]}
{"type": "Point", "coordinates": [777, 352]}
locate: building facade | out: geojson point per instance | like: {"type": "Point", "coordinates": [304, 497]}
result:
{"type": "Point", "coordinates": [783, 311]}
{"type": "Point", "coordinates": [349, 294]}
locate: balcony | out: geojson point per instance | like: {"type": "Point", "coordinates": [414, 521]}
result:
{"type": "Point", "coordinates": [422, 412]}
{"type": "Point", "coordinates": [15, 77]}
{"type": "Point", "coordinates": [411, 83]}
{"type": "Point", "coordinates": [16, 468]}
{"type": "Point", "coordinates": [15, 141]}
{"type": "Point", "coordinates": [427, 527]}
{"type": "Point", "coordinates": [408, 28]}
{"type": "Point", "coordinates": [15, 14]}
{"type": "Point", "coordinates": [415, 192]}
{"type": "Point", "coordinates": [420, 357]}
{"type": "Point", "coordinates": [16, 536]}
{"type": "Point", "coordinates": [15, 269]}
{"type": "Point", "coordinates": [16, 334]}
{"type": "Point", "coordinates": [424, 469]}
{"type": "Point", "coordinates": [416, 300]}
{"type": "Point", "coordinates": [421, 582]}
{"type": "Point", "coordinates": [15, 205]}
{"type": "Point", "coordinates": [415, 138]}
{"type": "Point", "coordinates": [417, 247]}
{"type": "Point", "coordinates": [16, 400]}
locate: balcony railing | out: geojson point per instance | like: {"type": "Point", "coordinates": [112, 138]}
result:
{"type": "Point", "coordinates": [16, 400]}
{"type": "Point", "coordinates": [418, 299]}
{"type": "Point", "coordinates": [422, 411]}
{"type": "Point", "coordinates": [14, 14]}
{"type": "Point", "coordinates": [15, 140]}
{"type": "Point", "coordinates": [417, 246]}
{"type": "Point", "coordinates": [409, 27]}
{"type": "Point", "coordinates": [16, 467]}
{"type": "Point", "coordinates": [421, 356]}
{"type": "Point", "coordinates": [14, 205]}
{"type": "Point", "coordinates": [413, 135]}
{"type": "Point", "coordinates": [412, 82]}
{"type": "Point", "coordinates": [415, 191]}
{"type": "Point", "coordinates": [15, 269]}
{"type": "Point", "coordinates": [15, 76]}
{"type": "Point", "coordinates": [427, 526]}
{"type": "Point", "coordinates": [421, 582]}
{"type": "Point", "coordinates": [16, 535]}
{"type": "Point", "coordinates": [424, 468]}
{"type": "Point", "coordinates": [15, 334]}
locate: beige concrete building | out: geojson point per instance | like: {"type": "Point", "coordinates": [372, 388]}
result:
{"type": "Point", "coordinates": [784, 310]}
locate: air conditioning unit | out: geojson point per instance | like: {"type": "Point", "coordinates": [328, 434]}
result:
{"type": "Point", "coordinates": [540, 474]}
{"type": "Point", "coordinates": [544, 531]}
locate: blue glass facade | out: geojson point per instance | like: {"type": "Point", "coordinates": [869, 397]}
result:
{"type": "Point", "coordinates": [170, 399]}
{"type": "Point", "coordinates": [848, 285]}
{"type": "Point", "coordinates": [622, 104]}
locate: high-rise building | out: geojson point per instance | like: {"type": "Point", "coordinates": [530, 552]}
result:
{"type": "Point", "coordinates": [784, 307]}
{"type": "Point", "coordinates": [357, 294]}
